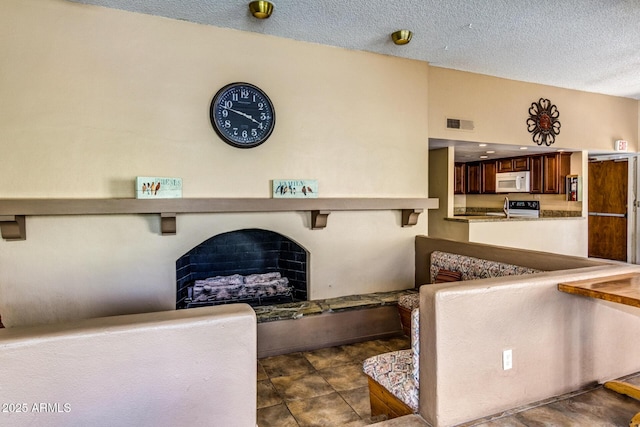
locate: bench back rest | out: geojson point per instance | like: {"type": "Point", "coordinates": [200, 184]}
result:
{"type": "Point", "coordinates": [472, 268]}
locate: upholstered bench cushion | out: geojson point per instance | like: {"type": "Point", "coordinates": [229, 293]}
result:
{"type": "Point", "coordinates": [394, 371]}
{"type": "Point", "coordinates": [399, 371]}
{"type": "Point", "coordinates": [409, 301]}
{"type": "Point", "coordinates": [472, 268]}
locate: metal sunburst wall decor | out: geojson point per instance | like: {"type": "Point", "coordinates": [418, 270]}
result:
{"type": "Point", "coordinates": [543, 122]}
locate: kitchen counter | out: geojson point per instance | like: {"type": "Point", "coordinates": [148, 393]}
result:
{"type": "Point", "coordinates": [492, 218]}
{"type": "Point", "coordinates": [553, 231]}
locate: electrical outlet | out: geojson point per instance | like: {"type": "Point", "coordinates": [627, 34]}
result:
{"type": "Point", "coordinates": [507, 359]}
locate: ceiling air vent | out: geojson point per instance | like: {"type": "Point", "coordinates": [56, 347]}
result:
{"type": "Point", "coordinates": [459, 124]}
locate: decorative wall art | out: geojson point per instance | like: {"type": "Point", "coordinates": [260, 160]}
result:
{"type": "Point", "coordinates": [543, 122]}
{"type": "Point", "coordinates": [295, 188]}
{"type": "Point", "coordinates": [152, 187]}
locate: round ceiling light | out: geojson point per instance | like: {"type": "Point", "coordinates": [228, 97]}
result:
{"type": "Point", "coordinates": [261, 9]}
{"type": "Point", "coordinates": [401, 37]}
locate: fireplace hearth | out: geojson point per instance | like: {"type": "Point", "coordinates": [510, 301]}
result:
{"type": "Point", "coordinates": [254, 266]}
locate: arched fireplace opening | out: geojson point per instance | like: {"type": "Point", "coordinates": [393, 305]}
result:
{"type": "Point", "coordinates": [253, 266]}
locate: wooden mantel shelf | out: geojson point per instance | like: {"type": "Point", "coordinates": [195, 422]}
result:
{"type": "Point", "coordinates": [14, 211]}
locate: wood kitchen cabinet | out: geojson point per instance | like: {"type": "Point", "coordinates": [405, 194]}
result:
{"type": "Point", "coordinates": [489, 177]}
{"type": "Point", "coordinates": [513, 164]}
{"type": "Point", "coordinates": [536, 176]}
{"type": "Point", "coordinates": [459, 180]}
{"type": "Point", "coordinates": [474, 178]}
{"type": "Point", "coordinates": [548, 172]}
{"type": "Point", "coordinates": [555, 167]}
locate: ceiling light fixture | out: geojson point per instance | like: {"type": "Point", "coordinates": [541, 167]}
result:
{"type": "Point", "coordinates": [261, 9]}
{"type": "Point", "coordinates": [401, 37]}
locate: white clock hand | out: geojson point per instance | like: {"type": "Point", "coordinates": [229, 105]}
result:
{"type": "Point", "coordinates": [243, 114]}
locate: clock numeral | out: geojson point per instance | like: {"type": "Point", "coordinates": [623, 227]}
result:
{"type": "Point", "coordinates": [254, 132]}
{"type": "Point", "coordinates": [225, 113]}
{"type": "Point", "coordinates": [260, 105]}
{"type": "Point", "coordinates": [227, 123]}
{"type": "Point", "coordinates": [244, 93]}
{"type": "Point", "coordinates": [228, 104]}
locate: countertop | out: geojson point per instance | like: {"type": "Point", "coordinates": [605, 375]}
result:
{"type": "Point", "coordinates": [488, 218]}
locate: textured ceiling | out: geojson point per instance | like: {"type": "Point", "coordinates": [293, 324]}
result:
{"type": "Point", "coordinates": [589, 45]}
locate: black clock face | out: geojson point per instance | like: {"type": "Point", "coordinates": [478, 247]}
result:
{"type": "Point", "coordinates": [242, 115]}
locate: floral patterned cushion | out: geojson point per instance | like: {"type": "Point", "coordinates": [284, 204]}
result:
{"type": "Point", "coordinates": [393, 372]}
{"type": "Point", "coordinates": [447, 266]}
{"type": "Point", "coordinates": [415, 345]}
{"type": "Point", "coordinates": [409, 301]}
{"type": "Point", "coordinates": [398, 371]}
{"type": "Point", "coordinates": [472, 268]}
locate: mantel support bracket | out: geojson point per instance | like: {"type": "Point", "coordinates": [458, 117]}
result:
{"type": "Point", "coordinates": [410, 217]}
{"type": "Point", "coordinates": [168, 223]}
{"type": "Point", "coordinates": [319, 219]}
{"type": "Point", "coordinates": [13, 227]}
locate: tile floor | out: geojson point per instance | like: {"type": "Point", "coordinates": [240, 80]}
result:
{"type": "Point", "coordinates": [324, 387]}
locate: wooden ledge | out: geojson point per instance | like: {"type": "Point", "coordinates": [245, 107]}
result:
{"type": "Point", "coordinates": [14, 211]}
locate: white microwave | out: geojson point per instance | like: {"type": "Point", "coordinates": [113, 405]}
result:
{"type": "Point", "coordinates": [513, 182]}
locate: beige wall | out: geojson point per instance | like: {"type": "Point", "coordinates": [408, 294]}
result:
{"type": "Point", "coordinates": [173, 368]}
{"type": "Point", "coordinates": [499, 109]}
{"type": "Point", "coordinates": [94, 97]}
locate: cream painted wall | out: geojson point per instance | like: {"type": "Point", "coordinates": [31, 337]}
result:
{"type": "Point", "coordinates": [499, 109]}
{"type": "Point", "coordinates": [560, 236]}
{"type": "Point", "coordinates": [93, 97]}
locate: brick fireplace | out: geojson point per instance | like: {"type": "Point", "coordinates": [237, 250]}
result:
{"type": "Point", "coordinates": [224, 268]}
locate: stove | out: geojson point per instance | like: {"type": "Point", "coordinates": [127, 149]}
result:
{"type": "Point", "coordinates": [524, 208]}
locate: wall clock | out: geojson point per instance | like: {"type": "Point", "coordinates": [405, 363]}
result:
{"type": "Point", "coordinates": [242, 115]}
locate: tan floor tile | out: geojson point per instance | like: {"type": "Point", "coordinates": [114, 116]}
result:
{"type": "Point", "coordinates": [276, 416]}
{"type": "Point", "coordinates": [261, 373]}
{"type": "Point", "coordinates": [345, 377]}
{"type": "Point", "coordinates": [267, 394]}
{"type": "Point", "coordinates": [359, 352]}
{"type": "Point", "coordinates": [397, 343]}
{"type": "Point", "coordinates": [304, 386]}
{"type": "Point", "coordinates": [330, 410]}
{"type": "Point", "coordinates": [328, 357]}
{"type": "Point", "coordinates": [286, 365]}
{"type": "Point", "coordinates": [358, 399]}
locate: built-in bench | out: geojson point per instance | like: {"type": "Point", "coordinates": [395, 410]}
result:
{"type": "Point", "coordinates": [469, 268]}
{"type": "Point", "coordinates": [451, 267]}
{"type": "Point", "coordinates": [394, 377]}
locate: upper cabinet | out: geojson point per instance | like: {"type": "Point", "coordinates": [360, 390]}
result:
{"type": "Point", "coordinates": [513, 164]}
{"type": "Point", "coordinates": [548, 172]}
{"type": "Point", "coordinates": [536, 178]}
{"type": "Point", "coordinates": [459, 178]}
{"type": "Point", "coordinates": [489, 177]}
{"type": "Point", "coordinates": [474, 178]}
{"type": "Point", "coordinates": [555, 167]}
